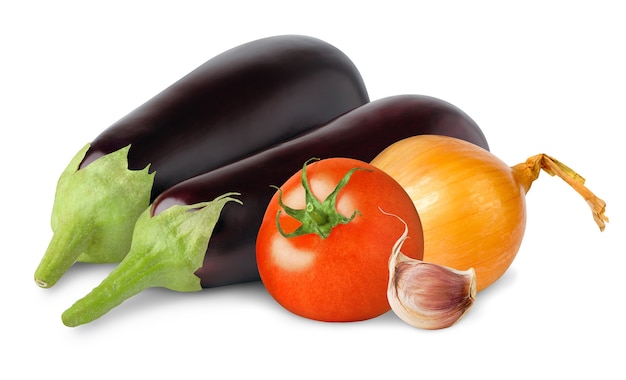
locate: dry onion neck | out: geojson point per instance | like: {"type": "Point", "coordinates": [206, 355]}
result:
{"type": "Point", "coordinates": [526, 173]}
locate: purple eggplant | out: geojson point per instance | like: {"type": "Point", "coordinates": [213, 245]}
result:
{"type": "Point", "coordinates": [219, 248]}
{"type": "Point", "coordinates": [361, 134]}
{"type": "Point", "coordinates": [232, 106]}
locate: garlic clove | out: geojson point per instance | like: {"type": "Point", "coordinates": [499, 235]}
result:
{"type": "Point", "coordinates": [431, 296]}
{"type": "Point", "coordinates": [427, 295]}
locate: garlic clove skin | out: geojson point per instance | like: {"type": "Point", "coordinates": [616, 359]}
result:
{"type": "Point", "coordinates": [427, 295]}
{"type": "Point", "coordinates": [431, 296]}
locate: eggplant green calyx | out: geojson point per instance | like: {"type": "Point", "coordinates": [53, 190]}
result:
{"type": "Point", "coordinates": [93, 214]}
{"type": "Point", "coordinates": [317, 217]}
{"type": "Point", "coordinates": [166, 250]}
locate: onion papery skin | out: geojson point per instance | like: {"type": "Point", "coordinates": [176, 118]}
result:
{"type": "Point", "coordinates": [471, 205]}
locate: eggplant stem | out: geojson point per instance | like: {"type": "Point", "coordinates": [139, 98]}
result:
{"type": "Point", "coordinates": [94, 211]}
{"type": "Point", "coordinates": [66, 245]}
{"type": "Point", "coordinates": [166, 251]}
{"type": "Point", "coordinates": [129, 278]}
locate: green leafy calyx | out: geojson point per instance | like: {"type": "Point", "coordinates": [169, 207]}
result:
{"type": "Point", "coordinates": [93, 213]}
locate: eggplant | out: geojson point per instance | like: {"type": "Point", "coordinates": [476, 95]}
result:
{"type": "Point", "coordinates": [232, 106]}
{"type": "Point", "coordinates": [218, 248]}
{"type": "Point", "coordinates": [235, 104]}
{"type": "Point", "coordinates": [360, 134]}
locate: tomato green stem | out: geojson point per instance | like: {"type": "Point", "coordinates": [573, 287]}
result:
{"type": "Point", "coordinates": [166, 251]}
{"type": "Point", "coordinates": [317, 217]}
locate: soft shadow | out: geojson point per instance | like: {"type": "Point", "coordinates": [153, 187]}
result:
{"type": "Point", "coordinates": [390, 319]}
{"type": "Point", "coordinates": [82, 274]}
{"type": "Point", "coordinates": [153, 300]}
{"type": "Point", "coordinates": [505, 282]}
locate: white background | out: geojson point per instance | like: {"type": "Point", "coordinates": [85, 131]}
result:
{"type": "Point", "coordinates": [541, 76]}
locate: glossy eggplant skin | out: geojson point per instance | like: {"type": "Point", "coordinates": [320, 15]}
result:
{"type": "Point", "coordinates": [234, 105]}
{"type": "Point", "coordinates": [361, 134]}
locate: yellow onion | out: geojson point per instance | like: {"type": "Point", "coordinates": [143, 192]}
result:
{"type": "Point", "coordinates": [471, 204]}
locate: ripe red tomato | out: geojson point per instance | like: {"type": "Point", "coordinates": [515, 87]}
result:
{"type": "Point", "coordinates": [342, 277]}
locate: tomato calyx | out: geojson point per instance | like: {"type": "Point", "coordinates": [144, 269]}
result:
{"type": "Point", "coordinates": [317, 217]}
